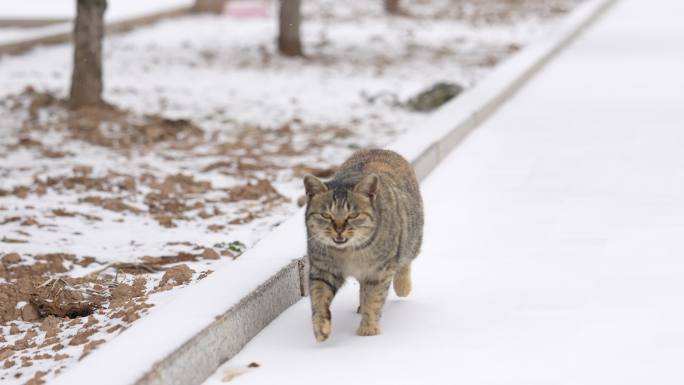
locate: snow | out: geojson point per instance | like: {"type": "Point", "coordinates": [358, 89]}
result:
{"type": "Point", "coordinates": [212, 70]}
{"type": "Point", "coordinates": [56, 10]}
{"type": "Point", "coordinates": [117, 10]}
{"type": "Point", "coordinates": [553, 238]}
{"type": "Point", "coordinates": [225, 75]}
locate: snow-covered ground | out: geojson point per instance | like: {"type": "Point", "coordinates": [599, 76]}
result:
{"type": "Point", "coordinates": [224, 76]}
{"type": "Point", "coordinates": [73, 204]}
{"type": "Point", "coordinates": [553, 244]}
{"type": "Point", "coordinates": [117, 10]}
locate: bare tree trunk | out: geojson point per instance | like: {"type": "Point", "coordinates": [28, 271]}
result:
{"type": "Point", "coordinates": [392, 7]}
{"type": "Point", "coordinates": [209, 6]}
{"type": "Point", "coordinates": [86, 78]}
{"type": "Point", "coordinates": [289, 41]}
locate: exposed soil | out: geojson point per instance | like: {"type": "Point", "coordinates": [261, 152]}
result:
{"type": "Point", "coordinates": [104, 126]}
{"type": "Point", "coordinates": [57, 310]}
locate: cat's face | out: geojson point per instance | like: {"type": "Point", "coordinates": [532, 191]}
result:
{"type": "Point", "coordinates": [342, 216]}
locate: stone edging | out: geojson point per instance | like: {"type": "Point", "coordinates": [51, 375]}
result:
{"type": "Point", "coordinates": [196, 358]}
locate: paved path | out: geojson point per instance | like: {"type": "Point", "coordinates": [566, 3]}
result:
{"type": "Point", "coordinates": [554, 247]}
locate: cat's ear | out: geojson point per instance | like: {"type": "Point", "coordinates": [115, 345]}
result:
{"type": "Point", "coordinates": [313, 185]}
{"type": "Point", "coordinates": [368, 185]}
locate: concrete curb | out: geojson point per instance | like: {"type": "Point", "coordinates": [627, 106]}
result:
{"type": "Point", "coordinates": [199, 357]}
{"type": "Point", "coordinates": [62, 33]}
{"type": "Point", "coordinates": [191, 349]}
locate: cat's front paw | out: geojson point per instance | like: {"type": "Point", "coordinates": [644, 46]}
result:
{"type": "Point", "coordinates": [368, 329]}
{"type": "Point", "coordinates": [321, 328]}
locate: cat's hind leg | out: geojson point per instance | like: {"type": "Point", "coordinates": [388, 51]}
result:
{"type": "Point", "coordinates": [402, 281]}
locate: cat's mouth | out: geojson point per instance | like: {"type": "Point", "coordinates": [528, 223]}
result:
{"type": "Point", "coordinates": [340, 240]}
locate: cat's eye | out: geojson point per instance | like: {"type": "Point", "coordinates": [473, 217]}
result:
{"type": "Point", "coordinates": [353, 215]}
{"type": "Point", "coordinates": [326, 216]}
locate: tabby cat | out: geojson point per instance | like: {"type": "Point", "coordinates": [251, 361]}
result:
{"type": "Point", "coordinates": [366, 223]}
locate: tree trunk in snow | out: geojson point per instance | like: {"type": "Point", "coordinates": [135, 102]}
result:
{"type": "Point", "coordinates": [86, 78]}
{"type": "Point", "coordinates": [289, 41]}
{"type": "Point", "coordinates": [209, 6]}
{"type": "Point", "coordinates": [392, 7]}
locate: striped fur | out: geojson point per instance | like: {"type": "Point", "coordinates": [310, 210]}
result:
{"type": "Point", "coordinates": [365, 223]}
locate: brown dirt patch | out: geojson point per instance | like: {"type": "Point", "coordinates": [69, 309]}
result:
{"type": "Point", "coordinates": [112, 204]}
{"type": "Point", "coordinates": [89, 347]}
{"type": "Point", "coordinates": [6, 352]}
{"type": "Point", "coordinates": [175, 276]}
{"type": "Point", "coordinates": [123, 293]}
{"type": "Point", "coordinates": [262, 189]}
{"type": "Point", "coordinates": [67, 297]}
{"type": "Point", "coordinates": [50, 325]}
{"type": "Point", "coordinates": [37, 378]}
{"type": "Point", "coordinates": [107, 125]}
{"type": "Point", "coordinates": [210, 253]}
{"type": "Point", "coordinates": [301, 170]}
{"type": "Point", "coordinates": [82, 337]}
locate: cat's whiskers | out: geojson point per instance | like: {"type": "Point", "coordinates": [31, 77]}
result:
{"type": "Point", "coordinates": [313, 236]}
